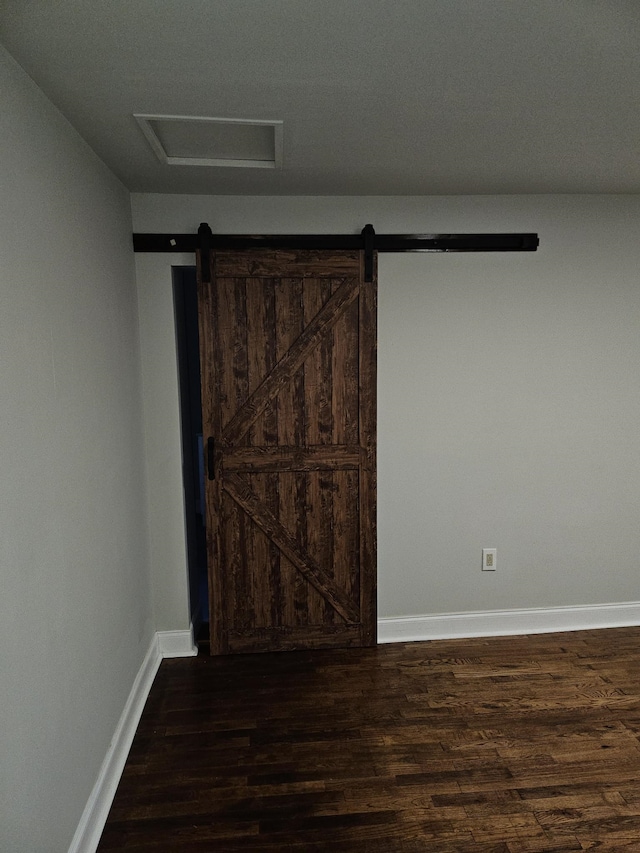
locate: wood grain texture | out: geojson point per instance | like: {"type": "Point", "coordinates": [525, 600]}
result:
{"type": "Point", "coordinates": [291, 361]}
{"type": "Point", "coordinates": [212, 395]}
{"type": "Point", "coordinates": [289, 346]}
{"type": "Point", "coordinates": [368, 442]}
{"type": "Point", "coordinates": [278, 263]}
{"type": "Point", "coordinates": [289, 545]}
{"type": "Point", "coordinates": [510, 744]}
{"type": "Point", "coordinates": [255, 460]}
{"type": "Point", "coordinates": [260, 301]}
{"type": "Point", "coordinates": [318, 383]}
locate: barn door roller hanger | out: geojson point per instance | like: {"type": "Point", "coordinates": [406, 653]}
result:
{"type": "Point", "coordinates": [206, 241]}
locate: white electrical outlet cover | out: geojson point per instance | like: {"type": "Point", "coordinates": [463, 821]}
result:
{"type": "Point", "coordinates": [489, 558]}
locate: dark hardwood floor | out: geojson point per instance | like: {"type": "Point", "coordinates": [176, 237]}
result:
{"type": "Point", "coordinates": [501, 745]}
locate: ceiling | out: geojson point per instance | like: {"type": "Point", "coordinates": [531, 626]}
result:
{"type": "Point", "coordinates": [383, 97]}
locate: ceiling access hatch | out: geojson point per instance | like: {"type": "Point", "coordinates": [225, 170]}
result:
{"type": "Point", "coordinates": [201, 141]}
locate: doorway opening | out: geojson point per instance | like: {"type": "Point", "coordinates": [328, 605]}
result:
{"type": "Point", "coordinates": [185, 297]}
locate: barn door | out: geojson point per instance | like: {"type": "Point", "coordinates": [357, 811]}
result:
{"type": "Point", "coordinates": [288, 360]}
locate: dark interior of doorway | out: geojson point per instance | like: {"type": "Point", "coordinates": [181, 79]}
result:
{"type": "Point", "coordinates": [185, 297]}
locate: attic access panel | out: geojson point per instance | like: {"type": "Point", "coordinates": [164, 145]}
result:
{"type": "Point", "coordinates": [202, 141]}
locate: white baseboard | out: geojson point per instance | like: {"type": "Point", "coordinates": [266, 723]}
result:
{"type": "Point", "coordinates": [494, 623]}
{"type": "Point", "coordinates": [176, 644]}
{"type": "Point", "coordinates": [95, 814]}
{"type": "Point", "coordinates": [165, 644]}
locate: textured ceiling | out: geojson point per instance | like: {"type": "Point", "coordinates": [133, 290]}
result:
{"type": "Point", "coordinates": [378, 98]}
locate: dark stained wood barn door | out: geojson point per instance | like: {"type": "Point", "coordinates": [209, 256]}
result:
{"type": "Point", "coordinates": [288, 361]}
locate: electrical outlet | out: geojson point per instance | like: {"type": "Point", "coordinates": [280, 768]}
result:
{"type": "Point", "coordinates": [489, 558]}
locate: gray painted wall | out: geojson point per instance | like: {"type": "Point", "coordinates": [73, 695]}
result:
{"type": "Point", "coordinates": [75, 606]}
{"type": "Point", "coordinates": [509, 396]}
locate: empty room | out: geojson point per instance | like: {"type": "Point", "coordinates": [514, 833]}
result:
{"type": "Point", "coordinates": [320, 393]}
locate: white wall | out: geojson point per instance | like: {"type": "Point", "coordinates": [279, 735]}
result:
{"type": "Point", "coordinates": [167, 534]}
{"type": "Point", "coordinates": [75, 605]}
{"type": "Point", "coordinates": [509, 395]}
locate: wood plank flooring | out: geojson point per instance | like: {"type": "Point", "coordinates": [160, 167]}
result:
{"type": "Point", "coordinates": [500, 745]}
